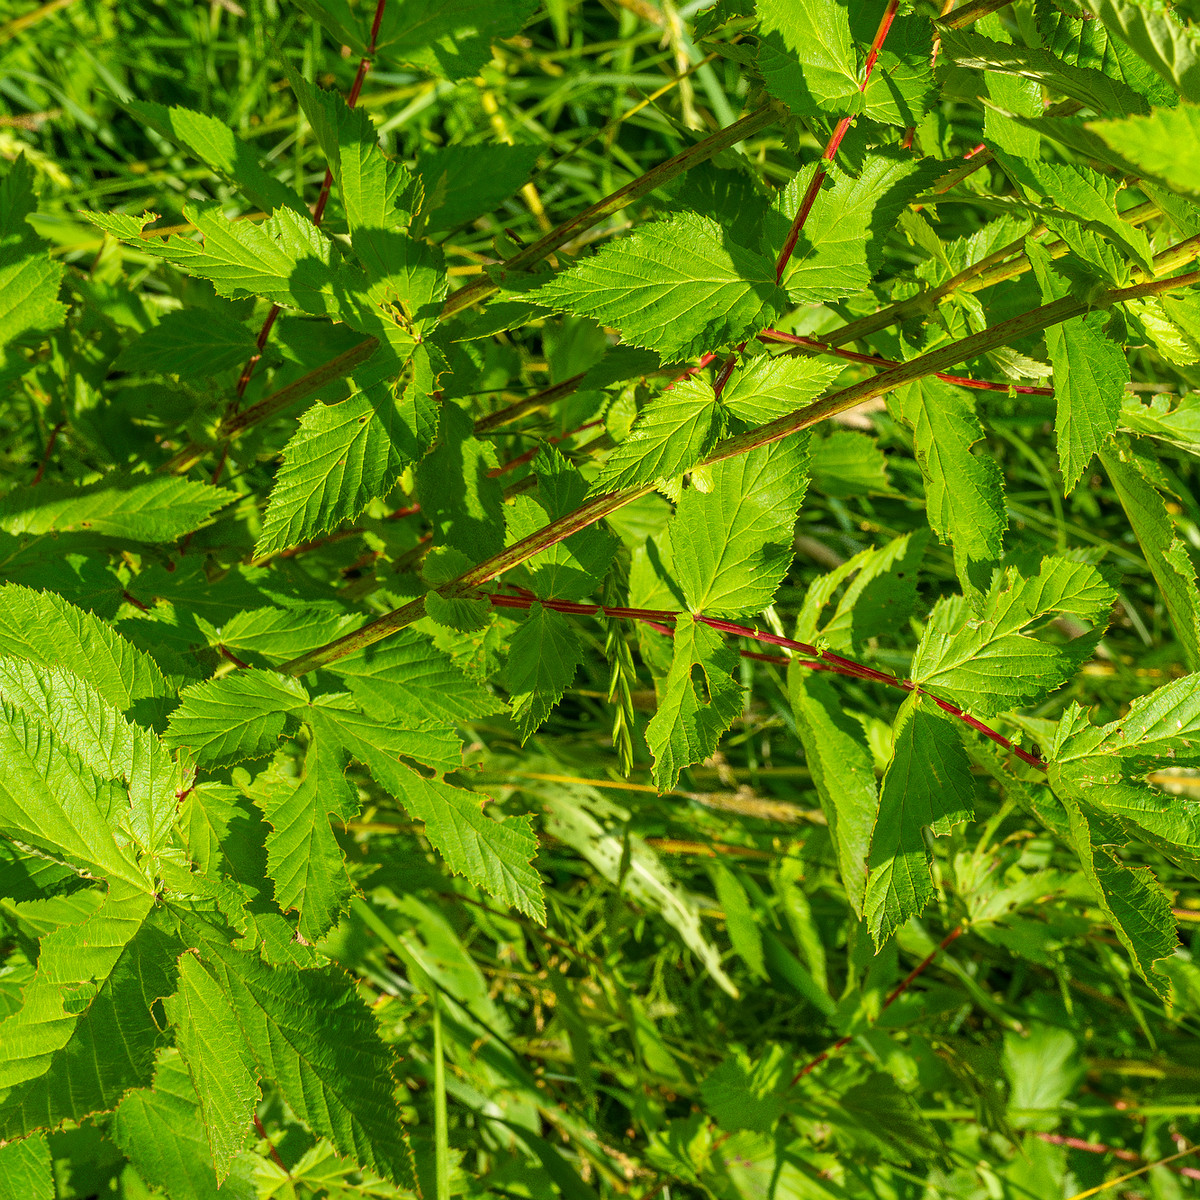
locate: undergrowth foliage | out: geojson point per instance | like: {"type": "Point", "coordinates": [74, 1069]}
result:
{"type": "Point", "coordinates": [389, 561]}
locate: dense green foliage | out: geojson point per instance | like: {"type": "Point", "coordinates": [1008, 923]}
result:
{"type": "Point", "coordinates": [599, 599]}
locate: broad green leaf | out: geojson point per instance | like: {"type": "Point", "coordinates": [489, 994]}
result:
{"type": "Point", "coordinates": [807, 57]}
{"type": "Point", "coordinates": [142, 508]}
{"type": "Point", "coordinates": [746, 1094]}
{"type": "Point", "coordinates": [51, 800]}
{"type": "Point", "coordinates": [161, 1132]}
{"type": "Point", "coordinates": [286, 259]}
{"type": "Point", "coordinates": [25, 1170]}
{"type": "Point", "coordinates": [733, 543]}
{"type": "Point", "coordinates": [29, 277]}
{"type": "Point", "coordinates": [341, 458]}
{"type": "Point", "coordinates": [462, 183]}
{"type": "Point", "coordinates": [78, 718]}
{"type": "Point", "coordinates": [570, 569]}
{"type": "Point", "coordinates": [1137, 906]}
{"type": "Point", "coordinates": [842, 773]}
{"type": "Point", "coordinates": [458, 496]}
{"type": "Point", "coordinates": [215, 1054]}
{"type": "Point", "coordinates": [214, 143]}
{"type": "Point", "coordinates": [48, 631]}
{"type": "Point", "coordinates": [1166, 554]}
{"type": "Point", "coordinates": [542, 660]}
{"type": "Point", "coordinates": [848, 463]}
{"type": "Point", "coordinates": [670, 436]}
{"type": "Point", "coordinates": [1164, 144]}
{"type": "Point", "coordinates": [190, 342]}
{"type": "Point", "coordinates": [303, 857]}
{"type": "Point", "coordinates": [688, 724]}
{"type": "Point", "coordinates": [902, 88]}
{"type": "Point", "coordinates": [986, 662]}
{"type": "Point", "coordinates": [1090, 87]}
{"type": "Point", "coordinates": [86, 1033]}
{"type": "Point", "coordinates": [1174, 420]}
{"type": "Point", "coordinates": [448, 37]}
{"type": "Point", "coordinates": [768, 388]}
{"type": "Point", "coordinates": [678, 286]}
{"type": "Point", "coordinates": [1085, 196]}
{"type": "Point", "coordinates": [927, 785]}
{"type": "Point", "coordinates": [964, 492]}
{"type": "Point", "coordinates": [405, 678]}
{"type": "Point", "coordinates": [841, 246]}
{"type": "Point", "coordinates": [315, 1038]}
{"type": "Point", "coordinates": [1165, 43]}
{"type": "Point", "coordinates": [495, 855]}
{"type": "Point", "coordinates": [368, 183]}
{"type": "Point", "coordinates": [234, 717]}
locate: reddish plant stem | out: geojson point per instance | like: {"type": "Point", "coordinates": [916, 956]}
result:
{"type": "Point", "coordinates": [262, 1133]}
{"type": "Point", "coordinates": [529, 455]}
{"type": "Point", "coordinates": [318, 213]}
{"type": "Point", "coordinates": [896, 993]}
{"type": "Point", "coordinates": [831, 147]}
{"type": "Point", "coordinates": [50, 441]}
{"type": "Point", "coordinates": [658, 618]}
{"type": "Point", "coordinates": [982, 385]}
{"type": "Point", "coordinates": [1074, 1143]}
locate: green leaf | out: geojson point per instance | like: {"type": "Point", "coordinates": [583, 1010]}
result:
{"type": "Point", "coordinates": [570, 569]}
{"type": "Point", "coordinates": [679, 286]}
{"type": "Point", "coordinates": [670, 436]}
{"type": "Point", "coordinates": [1137, 906]}
{"type": "Point", "coordinates": [142, 508]}
{"type": "Point", "coordinates": [745, 1094]}
{"type": "Point", "coordinates": [214, 143]}
{"type": "Point", "coordinates": [86, 1033]}
{"type": "Point", "coordinates": [80, 720]}
{"type": "Point", "coordinates": [449, 37]}
{"type": "Point", "coordinates": [161, 1132]}
{"type": "Point", "coordinates": [1090, 87]}
{"type": "Point", "coordinates": [542, 661]}
{"type": "Point", "coordinates": [768, 388]}
{"type": "Point", "coordinates": [462, 183]}
{"type": "Point", "coordinates": [406, 678]}
{"type": "Point", "coordinates": [50, 632]}
{"type": "Point", "coordinates": [733, 543]}
{"type": "Point", "coordinates": [807, 57]}
{"type": "Point", "coordinates": [847, 463]}
{"type": "Point", "coordinates": [986, 662]}
{"type": "Point", "coordinates": [368, 183]}
{"type": "Point", "coordinates": [216, 1056]}
{"type": "Point", "coordinates": [1164, 144]}
{"type": "Point", "coordinates": [1166, 553]}
{"type": "Point", "coordinates": [1086, 197]}
{"type": "Point", "coordinates": [964, 492]}
{"type": "Point", "coordinates": [842, 772]}
{"type": "Point", "coordinates": [25, 1170]}
{"type": "Point", "coordinates": [688, 724]}
{"type": "Point", "coordinates": [303, 856]}
{"type": "Point", "coordinates": [190, 342]}
{"type": "Point", "coordinates": [285, 259]}
{"type": "Point", "coordinates": [458, 496]}
{"type": "Point", "coordinates": [51, 800]}
{"type": "Point", "coordinates": [29, 277]}
{"type": "Point", "coordinates": [315, 1038]}
{"type": "Point", "coordinates": [341, 458]}
{"type": "Point", "coordinates": [841, 246]}
{"type": "Point", "coordinates": [235, 717]}
{"type": "Point", "coordinates": [927, 785]}
{"type": "Point", "coordinates": [1164, 42]}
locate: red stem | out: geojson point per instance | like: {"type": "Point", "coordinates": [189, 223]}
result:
{"type": "Point", "coordinates": [831, 147]}
{"type": "Point", "coordinates": [897, 992]}
{"type": "Point", "coordinates": [982, 385]}
{"type": "Point", "coordinates": [47, 452]}
{"type": "Point", "coordinates": [825, 660]}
